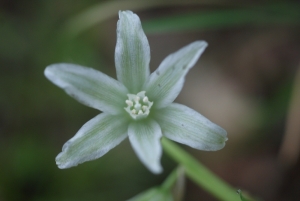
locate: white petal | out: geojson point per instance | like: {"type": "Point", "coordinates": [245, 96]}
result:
{"type": "Point", "coordinates": [93, 140]}
{"type": "Point", "coordinates": [145, 137]}
{"type": "Point", "coordinates": [89, 86]}
{"type": "Point", "coordinates": [132, 54]}
{"type": "Point", "coordinates": [167, 81]}
{"type": "Point", "coordinates": [184, 125]}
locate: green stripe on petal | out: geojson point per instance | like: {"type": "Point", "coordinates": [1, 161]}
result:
{"type": "Point", "coordinates": [167, 81]}
{"type": "Point", "coordinates": [184, 125]}
{"type": "Point", "coordinates": [89, 86]}
{"type": "Point", "coordinates": [145, 137]}
{"type": "Point", "coordinates": [93, 140]}
{"type": "Point", "coordinates": [132, 54]}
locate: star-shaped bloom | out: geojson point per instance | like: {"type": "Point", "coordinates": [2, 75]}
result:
{"type": "Point", "coordinates": [138, 105]}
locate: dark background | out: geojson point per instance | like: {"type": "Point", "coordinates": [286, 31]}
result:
{"type": "Point", "coordinates": [247, 81]}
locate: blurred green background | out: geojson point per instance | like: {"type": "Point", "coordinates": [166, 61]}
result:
{"type": "Point", "coordinates": [246, 82]}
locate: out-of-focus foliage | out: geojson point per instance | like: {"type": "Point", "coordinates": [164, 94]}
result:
{"type": "Point", "coordinates": [249, 15]}
{"type": "Point", "coordinates": [170, 190]}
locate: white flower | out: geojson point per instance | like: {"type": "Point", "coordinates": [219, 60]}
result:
{"type": "Point", "coordinates": [138, 105]}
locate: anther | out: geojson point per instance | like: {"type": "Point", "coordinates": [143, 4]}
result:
{"type": "Point", "coordinates": [144, 108]}
{"type": "Point", "coordinates": [145, 99]}
{"type": "Point", "coordinates": [129, 103]}
{"type": "Point", "coordinates": [137, 99]}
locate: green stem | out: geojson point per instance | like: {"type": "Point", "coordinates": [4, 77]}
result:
{"type": "Point", "coordinates": [170, 181]}
{"type": "Point", "coordinates": [200, 174]}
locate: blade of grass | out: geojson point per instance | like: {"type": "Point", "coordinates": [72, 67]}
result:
{"type": "Point", "coordinates": [200, 174]}
{"type": "Point", "coordinates": [283, 13]}
{"type": "Point", "coordinates": [235, 13]}
{"type": "Point", "coordinates": [104, 10]}
{"type": "Point", "coordinates": [290, 146]}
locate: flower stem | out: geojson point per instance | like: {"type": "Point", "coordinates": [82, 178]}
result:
{"type": "Point", "coordinates": [200, 174]}
{"type": "Point", "coordinates": [170, 181]}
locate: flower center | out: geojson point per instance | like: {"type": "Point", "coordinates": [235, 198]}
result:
{"type": "Point", "coordinates": [138, 106]}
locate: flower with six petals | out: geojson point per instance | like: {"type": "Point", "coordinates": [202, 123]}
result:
{"type": "Point", "coordinates": [138, 104]}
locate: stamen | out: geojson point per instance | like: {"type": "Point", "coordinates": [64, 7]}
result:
{"type": "Point", "coordinates": [129, 103]}
{"type": "Point", "coordinates": [138, 106]}
{"type": "Point", "coordinates": [144, 108]}
{"type": "Point", "coordinates": [145, 99]}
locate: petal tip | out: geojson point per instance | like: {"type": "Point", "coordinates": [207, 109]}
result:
{"type": "Point", "coordinates": [201, 43]}
{"type": "Point", "coordinates": [60, 166]}
{"type": "Point", "coordinates": [48, 71]}
{"type": "Point", "coordinates": [59, 163]}
{"type": "Point", "coordinates": [64, 163]}
{"type": "Point", "coordinates": [125, 12]}
{"type": "Point", "coordinates": [157, 169]}
{"type": "Point", "coordinates": [223, 132]}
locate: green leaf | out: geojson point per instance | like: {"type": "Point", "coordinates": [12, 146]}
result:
{"type": "Point", "coordinates": [275, 13]}
{"type": "Point", "coordinates": [164, 192]}
{"type": "Point", "coordinates": [278, 13]}
{"type": "Point", "coordinates": [153, 194]}
{"type": "Point", "coordinates": [242, 197]}
{"type": "Point", "coordinates": [104, 10]}
{"type": "Point", "coordinates": [200, 174]}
